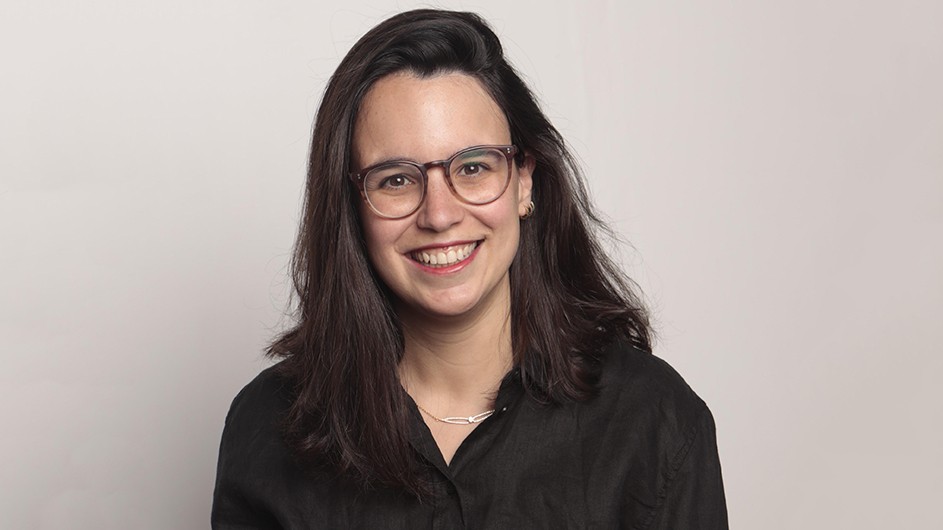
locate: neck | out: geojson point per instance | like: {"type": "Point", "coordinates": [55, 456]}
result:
{"type": "Point", "coordinates": [456, 361]}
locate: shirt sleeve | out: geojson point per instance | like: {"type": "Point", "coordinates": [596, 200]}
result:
{"type": "Point", "coordinates": [694, 493]}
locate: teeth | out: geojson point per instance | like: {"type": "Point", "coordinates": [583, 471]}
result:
{"type": "Point", "coordinates": [445, 258]}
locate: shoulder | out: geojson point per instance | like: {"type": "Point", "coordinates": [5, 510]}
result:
{"type": "Point", "coordinates": [647, 427]}
{"type": "Point", "coordinates": [645, 434]}
{"type": "Point", "coordinates": [266, 395]}
{"type": "Point", "coordinates": [643, 405]}
{"type": "Point", "coordinates": [252, 454]}
{"type": "Point", "coordinates": [639, 378]}
{"type": "Point", "coordinates": [253, 424]}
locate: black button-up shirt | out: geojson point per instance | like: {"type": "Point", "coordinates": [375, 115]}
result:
{"type": "Point", "coordinates": [641, 455]}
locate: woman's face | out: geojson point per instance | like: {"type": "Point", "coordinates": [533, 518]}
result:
{"type": "Point", "coordinates": [404, 117]}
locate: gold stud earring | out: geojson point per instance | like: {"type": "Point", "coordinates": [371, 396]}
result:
{"type": "Point", "coordinates": [528, 210]}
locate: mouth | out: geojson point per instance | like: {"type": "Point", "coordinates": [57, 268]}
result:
{"type": "Point", "coordinates": [444, 256]}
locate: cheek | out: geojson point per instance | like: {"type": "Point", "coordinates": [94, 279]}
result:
{"type": "Point", "coordinates": [373, 238]}
{"type": "Point", "coordinates": [508, 215]}
{"type": "Point", "coordinates": [505, 223]}
{"type": "Point", "coordinates": [371, 235]}
{"type": "Point", "coordinates": [380, 237]}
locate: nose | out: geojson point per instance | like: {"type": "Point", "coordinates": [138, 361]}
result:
{"type": "Point", "coordinates": [440, 208]}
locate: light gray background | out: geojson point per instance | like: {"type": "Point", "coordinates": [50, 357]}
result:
{"type": "Point", "coordinates": [776, 165]}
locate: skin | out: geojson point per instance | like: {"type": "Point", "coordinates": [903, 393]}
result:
{"type": "Point", "coordinates": [456, 319]}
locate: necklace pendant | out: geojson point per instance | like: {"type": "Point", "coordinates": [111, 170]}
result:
{"type": "Point", "coordinates": [459, 420]}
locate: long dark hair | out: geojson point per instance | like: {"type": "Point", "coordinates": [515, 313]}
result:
{"type": "Point", "coordinates": [568, 299]}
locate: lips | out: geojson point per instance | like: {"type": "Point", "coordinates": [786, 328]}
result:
{"type": "Point", "coordinates": [443, 256]}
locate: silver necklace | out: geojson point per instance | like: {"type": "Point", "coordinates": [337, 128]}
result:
{"type": "Point", "coordinates": [459, 420]}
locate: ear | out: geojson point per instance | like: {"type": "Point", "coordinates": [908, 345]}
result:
{"type": "Point", "coordinates": [525, 182]}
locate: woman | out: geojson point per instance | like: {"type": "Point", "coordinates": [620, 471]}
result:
{"type": "Point", "coordinates": [465, 354]}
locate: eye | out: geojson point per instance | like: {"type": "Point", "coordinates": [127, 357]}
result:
{"type": "Point", "coordinates": [472, 169]}
{"type": "Point", "coordinates": [392, 179]}
{"type": "Point", "coordinates": [395, 182]}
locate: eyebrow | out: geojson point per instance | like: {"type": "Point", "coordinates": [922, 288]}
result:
{"type": "Point", "coordinates": [390, 159]}
{"type": "Point", "coordinates": [387, 160]}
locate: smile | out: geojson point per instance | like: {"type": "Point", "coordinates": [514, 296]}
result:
{"type": "Point", "coordinates": [445, 256]}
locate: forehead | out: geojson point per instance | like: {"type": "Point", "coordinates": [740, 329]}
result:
{"type": "Point", "coordinates": [404, 116]}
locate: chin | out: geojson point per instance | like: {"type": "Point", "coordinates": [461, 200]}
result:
{"type": "Point", "coordinates": [438, 309]}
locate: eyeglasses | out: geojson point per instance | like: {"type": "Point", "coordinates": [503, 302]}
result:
{"type": "Point", "coordinates": [476, 175]}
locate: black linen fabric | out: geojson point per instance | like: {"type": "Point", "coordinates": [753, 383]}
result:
{"type": "Point", "coordinates": [641, 454]}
